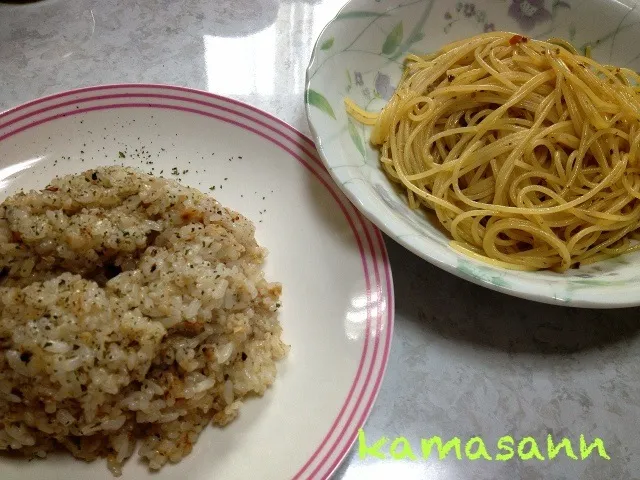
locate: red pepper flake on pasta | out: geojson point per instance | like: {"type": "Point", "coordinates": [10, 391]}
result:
{"type": "Point", "coordinates": [516, 39]}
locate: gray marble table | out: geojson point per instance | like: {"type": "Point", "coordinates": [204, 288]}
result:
{"type": "Point", "coordinates": [465, 361]}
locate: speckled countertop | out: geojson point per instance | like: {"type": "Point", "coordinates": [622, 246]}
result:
{"type": "Point", "coordinates": [465, 361]}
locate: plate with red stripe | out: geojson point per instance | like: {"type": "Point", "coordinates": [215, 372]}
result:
{"type": "Point", "coordinates": [337, 300]}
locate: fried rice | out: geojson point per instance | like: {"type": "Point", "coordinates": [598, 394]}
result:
{"type": "Point", "coordinates": [133, 312]}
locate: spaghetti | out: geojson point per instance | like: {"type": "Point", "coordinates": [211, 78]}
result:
{"type": "Point", "coordinates": [527, 152]}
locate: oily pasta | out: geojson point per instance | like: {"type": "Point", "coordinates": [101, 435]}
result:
{"type": "Point", "coordinates": [527, 152]}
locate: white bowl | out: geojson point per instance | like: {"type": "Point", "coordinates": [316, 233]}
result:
{"type": "Point", "coordinates": [359, 55]}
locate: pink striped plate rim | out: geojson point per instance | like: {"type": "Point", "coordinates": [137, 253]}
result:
{"type": "Point", "coordinates": [361, 396]}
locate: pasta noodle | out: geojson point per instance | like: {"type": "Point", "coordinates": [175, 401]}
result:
{"type": "Point", "coordinates": [527, 152]}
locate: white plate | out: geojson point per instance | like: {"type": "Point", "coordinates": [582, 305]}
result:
{"type": "Point", "coordinates": [359, 55]}
{"type": "Point", "coordinates": [337, 312]}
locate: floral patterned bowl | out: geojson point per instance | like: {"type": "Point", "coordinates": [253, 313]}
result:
{"type": "Point", "coordinates": [359, 55]}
